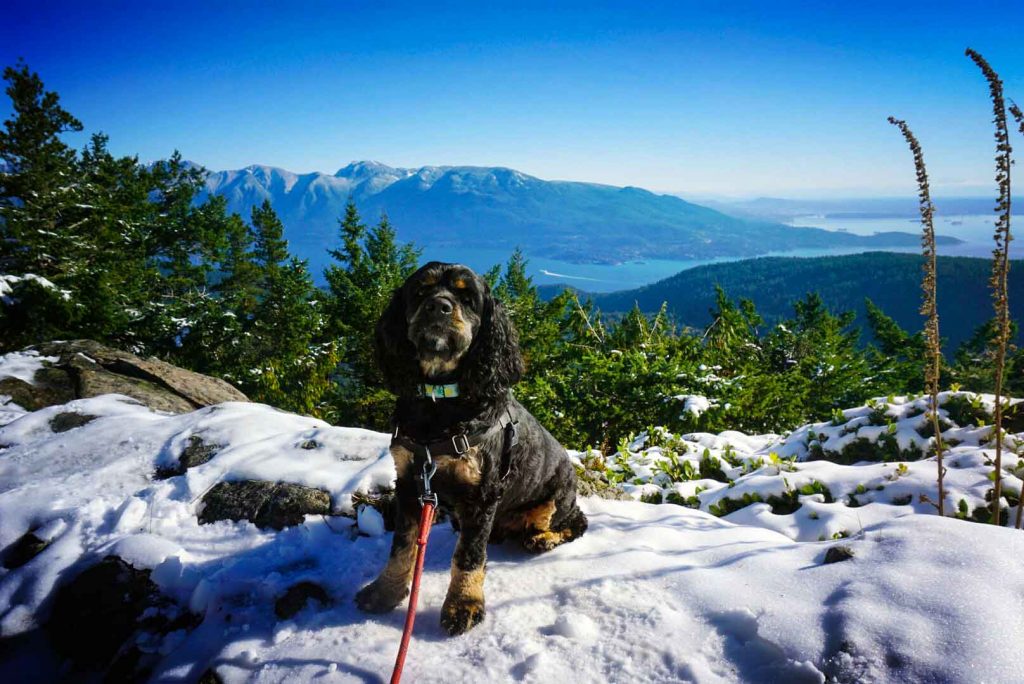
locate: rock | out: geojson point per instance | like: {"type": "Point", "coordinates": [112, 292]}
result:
{"type": "Point", "coordinates": [62, 422]}
{"type": "Point", "coordinates": [27, 547]}
{"type": "Point", "coordinates": [196, 452]}
{"type": "Point", "coordinates": [297, 596]}
{"type": "Point", "coordinates": [97, 619]}
{"type": "Point", "coordinates": [86, 368]}
{"type": "Point", "coordinates": [266, 504]}
{"type": "Point", "coordinates": [836, 554]}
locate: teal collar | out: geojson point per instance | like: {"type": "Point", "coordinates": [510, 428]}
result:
{"type": "Point", "coordinates": [436, 392]}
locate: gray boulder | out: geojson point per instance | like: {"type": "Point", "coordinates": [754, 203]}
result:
{"type": "Point", "coordinates": [86, 368]}
{"type": "Point", "coordinates": [266, 504]}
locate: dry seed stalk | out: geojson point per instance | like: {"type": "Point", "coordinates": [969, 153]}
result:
{"type": "Point", "coordinates": [933, 366]}
{"type": "Point", "coordinates": [1000, 261]}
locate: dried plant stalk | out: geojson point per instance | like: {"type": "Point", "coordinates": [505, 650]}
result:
{"type": "Point", "coordinates": [1000, 262]}
{"type": "Point", "coordinates": [1018, 116]}
{"type": "Point", "coordinates": [933, 365]}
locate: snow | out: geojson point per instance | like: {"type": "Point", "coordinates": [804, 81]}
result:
{"type": "Point", "coordinates": [652, 593]}
{"type": "Point", "coordinates": [23, 365]}
{"type": "Point", "coordinates": [694, 404]}
{"type": "Point", "coordinates": [7, 283]}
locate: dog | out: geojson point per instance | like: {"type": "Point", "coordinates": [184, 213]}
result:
{"type": "Point", "coordinates": [448, 350]}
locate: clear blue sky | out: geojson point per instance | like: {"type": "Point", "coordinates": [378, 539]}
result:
{"type": "Point", "coordinates": [704, 98]}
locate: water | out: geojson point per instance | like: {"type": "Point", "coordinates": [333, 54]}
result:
{"type": "Point", "coordinates": [976, 231]}
{"type": "Point", "coordinates": [601, 277]}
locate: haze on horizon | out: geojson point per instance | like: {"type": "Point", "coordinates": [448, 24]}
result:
{"type": "Point", "coordinates": [781, 99]}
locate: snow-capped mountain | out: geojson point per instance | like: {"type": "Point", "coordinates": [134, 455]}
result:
{"type": "Point", "coordinates": [499, 207]}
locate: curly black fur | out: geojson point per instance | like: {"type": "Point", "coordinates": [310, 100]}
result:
{"type": "Point", "coordinates": [444, 326]}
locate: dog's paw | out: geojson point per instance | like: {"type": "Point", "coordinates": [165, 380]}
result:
{"type": "Point", "coordinates": [379, 597]}
{"type": "Point", "coordinates": [458, 616]}
{"type": "Point", "coordinates": [543, 541]}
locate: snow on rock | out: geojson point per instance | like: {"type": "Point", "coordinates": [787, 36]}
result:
{"type": "Point", "coordinates": [22, 364]}
{"type": "Point", "coordinates": [652, 593]}
{"type": "Point", "coordinates": [95, 485]}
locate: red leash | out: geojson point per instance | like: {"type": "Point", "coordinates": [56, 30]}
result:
{"type": "Point", "coordinates": [428, 502]}
{"type": "Point", "coordinates": [426, 520]}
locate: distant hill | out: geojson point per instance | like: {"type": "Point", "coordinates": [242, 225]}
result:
{"type": "Point", "coordinates": [778, 209]}
{"type": "Point", "coordinates": [891, 280]}
{"type": "Point", "coordinates": [495, 207]}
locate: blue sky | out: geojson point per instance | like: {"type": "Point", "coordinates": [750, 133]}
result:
{"type": "Point", "coordinates": [701, 98]}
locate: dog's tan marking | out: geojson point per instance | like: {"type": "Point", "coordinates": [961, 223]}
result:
{"type": "Point", "coordinates": [463, 469]}
{"type": "Point", "coordinates": [434, 366]}
{"type": "Point", "coordinates": [397, 574]}
{"type": "Point", "coordinates": [539, 517]}
{"type": "Point", "coordinates": [460, 284]}
{"type": "Point", "coordinates": [429, 279]}
{"type": "Point", "coordinates": [466, 585]}
{"type": "Point", "coordinates": [536, 519]}
{"type": "Point", "coordinates": [392, 585]}
{"type": "Point", "coordinates": [402, 458]}
{"type": "Point", "coordinates": [547, 540]}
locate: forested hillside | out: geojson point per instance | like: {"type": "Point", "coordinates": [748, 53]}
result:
{"type": "Point", "coordinates": [892, 281]}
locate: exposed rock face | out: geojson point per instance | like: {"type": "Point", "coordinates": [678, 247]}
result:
{"type": "Point", "coordinates": [27, 547]}
{"type": "Point", "coordinates": [266, 504]}
{"type": "Point", "coordinates": [196, 452]}
{"type": "Point", "coordinates": [85, 368]}
{"type": "Point", "coordinates": [62, 422]}
{"type": "Point", "coordinates": [101, 617]}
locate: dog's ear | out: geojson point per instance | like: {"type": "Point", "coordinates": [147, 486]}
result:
{"type": "Point", "coordinates": [396, 356]}
{"type": "Point", "coordinates": [493, 363]}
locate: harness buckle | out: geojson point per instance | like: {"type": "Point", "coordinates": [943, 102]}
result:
{"type": "Point", "coordinates": [429, 468]}
{"type": "Point", "coordinates": [512, 428]}
{"type": "Point", "coordinates": [464, 442]}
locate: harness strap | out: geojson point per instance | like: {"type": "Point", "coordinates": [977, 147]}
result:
{"type": "Point", "coordinates": [460, 444]}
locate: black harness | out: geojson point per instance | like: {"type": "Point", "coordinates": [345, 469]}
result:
{"type": "Point", "coordinates": [458, 446]}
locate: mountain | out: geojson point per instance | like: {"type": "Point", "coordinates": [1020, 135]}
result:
{"type": "Point", "coordinates": [891, 280]}
{"type": "Point", "coordinates": [496, 207]}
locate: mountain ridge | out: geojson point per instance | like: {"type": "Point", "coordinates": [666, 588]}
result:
{"type": "Point", "coordinates": [501, 207]}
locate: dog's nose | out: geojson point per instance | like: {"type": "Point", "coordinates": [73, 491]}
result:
{"type": "Point", "coordinates": [440, 305]}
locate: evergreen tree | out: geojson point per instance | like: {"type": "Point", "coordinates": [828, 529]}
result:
{"type": "Point", "coordinates": [897, 358]}
{"type": "Point", "coordinates": [38, 181]}
{"type": "Point", "coordinates": [370, 265]}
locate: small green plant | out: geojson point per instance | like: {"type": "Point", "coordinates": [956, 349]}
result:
{"type": "Point", "coordinates": [711, 467]}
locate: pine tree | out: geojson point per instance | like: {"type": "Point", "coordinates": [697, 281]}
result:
{"type": "Point", "coordinates": [370, 265]}
{"type": "Point", "coordinates": [39, 179]}
{"type": "Point", "coordinates": [896, 357]}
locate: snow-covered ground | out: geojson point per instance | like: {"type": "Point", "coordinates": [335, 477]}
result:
{"type": "Point", "coordinates": [652, 593]}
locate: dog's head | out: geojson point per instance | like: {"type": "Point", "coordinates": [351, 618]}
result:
{"type": "Point", "coordinates": [443, 324]}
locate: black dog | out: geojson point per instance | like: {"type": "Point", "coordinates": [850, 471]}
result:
{"type": "Point", "coordinates": [448, 350]}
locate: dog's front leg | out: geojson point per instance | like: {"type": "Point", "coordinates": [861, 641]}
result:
{"type": "Point", "coordinates": [464, 606]}
{"type": "Point", "coordinates": [388, 590]}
